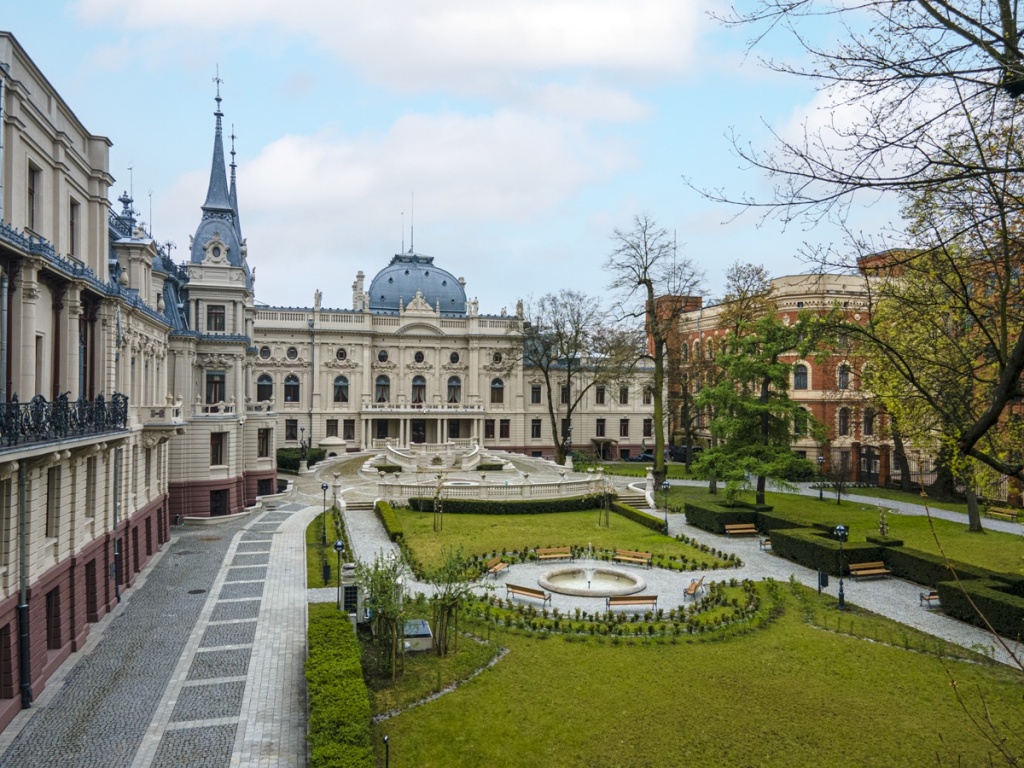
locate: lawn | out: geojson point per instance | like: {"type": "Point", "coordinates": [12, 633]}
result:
{"type": "Point", "coordinates": [797, 693]}
{"type": "Point", "coordinates": [317, 553]}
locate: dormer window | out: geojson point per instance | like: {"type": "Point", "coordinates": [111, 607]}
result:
{"type": "Point", "coordinates": [215, 251]}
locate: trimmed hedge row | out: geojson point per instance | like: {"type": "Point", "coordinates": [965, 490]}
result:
{"type": "Point", "coordinates": [388, 518]}
{"type": "Point", "coordinates": [288, 458]}
{"type": "Point", "coordinates": [714, 519]}
{"type": "Point", "coordinates": [639, 516]}
{"type": "Point", "coordinates": [927, 568]}
{"type": "Point", "coordinates": [815, 549]}
{"type": "Point", "coordinates": [339, 704]}
{"type": "Point", "coordinates": [508, 506]}
{"type": "Point", "coordinates": [1004, 611]}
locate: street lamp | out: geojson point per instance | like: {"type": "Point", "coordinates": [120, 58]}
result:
{"type": "Point", "coordinates": [664, 502]}
{"type": "Point", "coordinates": [842, 533]}
{"type": "Point", "coordinates": [339, 547]}
{"type": "Point", "coordinates": [821, 477]}
{"type": "Point", "coordinates": [387, 752]}
{"type": "Point", "coordinates": [323, 516]}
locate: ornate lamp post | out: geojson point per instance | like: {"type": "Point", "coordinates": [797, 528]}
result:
{"type": "Point", "coordinates": [842, 533]}
{"type": "Point", "coordinates": [821, 477]}
{"type": "Point", "coordinates": [339, 547]}
{"type": "Point", "coordinates": [323, 516]}
{"type": "Point", "coordinates": [387, 752]}
{"type": "Point", "coordinates": [664, 502]}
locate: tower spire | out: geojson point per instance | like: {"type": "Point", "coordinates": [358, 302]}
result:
{"type": "Point", "coordinates": [233, 192]}
{"type": "Point", "coordinates": [217, 195]}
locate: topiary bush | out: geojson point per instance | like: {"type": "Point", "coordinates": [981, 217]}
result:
{"type": "Point", "coordinates": [639, 516]}
{"type": "Point", "coordinates": [388, 518]}
{"type": "Point", "coordinates": [508, 506]}
{"type": "Point", "coordinates": [1004, 611]}
{"type": "Point", "coordinates": [813, 548]}
{"type": "Point", "coordinates": [714, 519]}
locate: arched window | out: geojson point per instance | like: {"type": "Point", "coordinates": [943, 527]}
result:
{"type": "Point", "coordinates": [264, 388]}
{"type": "Point", "coordinates": [382, 390]}
{"type": "Point", "coordinates": [291, 388]}
{"type": "Point", "coordinates": [869, 421]}
{"type": "Point", "coordinates": [844, 376]}
{"type": "Point", "coordinates": [696, 350]}
{"type": "Point", "coordinates": [419, 389]}
{"type": "Point", "coordinates": [341, 389]}
{"type": "Point", "coordinates": [800, 376]}
{"type": "Point", "coordinates": [800, 422]}
{"type": "Point", "coordinates": [844, 422]}
{"type": "Point", "coordinates": [497, 391]}
{"type": "Point", "coordinates": [454, 390]}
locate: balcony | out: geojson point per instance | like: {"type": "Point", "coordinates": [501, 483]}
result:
{"type": "Point", "coordinates": [41, 421]}
{"type": "Point", "coordinates": [413, 409]}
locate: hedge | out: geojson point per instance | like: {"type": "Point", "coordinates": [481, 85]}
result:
{"type": "Point", "coordinates": [508, 506]}
{"type": "Point", "coordinates": [639, 516]}
{"type": "Point", "coordinates": [814, 549]}
{"type": "Point", "coordinates": [1005, 612]}
{"type": "Point", "coordinates": [388, 518]}
{"type": "Point", "coordinates": [884, 541]}
{"type": "Point", "coordinates": [928, 568]}
{"type": "Point", "coordinates": [714, 519]}
{"type": "Point", "coordinates": [288, 458]}
{"type": "Point", "coordinates": [339, 704]}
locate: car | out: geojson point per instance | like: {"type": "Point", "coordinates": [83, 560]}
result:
{"type": "Point", "coordinates": [645, 456]}
{"type": "Point", "coordinates": [680, 452]}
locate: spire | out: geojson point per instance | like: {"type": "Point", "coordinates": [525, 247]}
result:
{"type": "Point", "coordinates": [217, 194]}
{"type": "Point", "coordinates": [233, 193]}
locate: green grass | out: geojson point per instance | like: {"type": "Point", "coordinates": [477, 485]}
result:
{"type": "Point", "coordinates": [316, 552]}
{"type": "Point", "coordinates": [891, 494]}
{"type": "Point", "coordinates": [482, 534]}
{"type": "Point", "coordinates": [798, 693]}
{"type": "Point", "coordinates": [992, 549]}
{"type": "Point", "coordinates": [639, 469]}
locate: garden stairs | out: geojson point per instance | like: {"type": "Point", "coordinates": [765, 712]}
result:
{"type": "Point", "coordinates": [633, 499]}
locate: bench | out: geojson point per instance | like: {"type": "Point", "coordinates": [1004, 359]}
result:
{"type": "Point", "coordinates": [632, 556]}
{"type": "Point", "coordinates": [537, 594]}
{"type": "Point", "coordinates": [867, 570]}
{"type": "Point", "coordinates": [1003, 513]}
{"type": "Point", "coordinates": [696, 585]}
{"type": "Point", "coordinates": [615, 601]}
{"type": "Point", "coordinates": [741, 529]}
{"type": "Point", "coordinates": [931, 598]}
{"type": "Point", "coordinates": [554, 553]}
{"type": "Point", "coordinates": [494, 566]}
{"type": "Point", "coordinates": [765, 543]}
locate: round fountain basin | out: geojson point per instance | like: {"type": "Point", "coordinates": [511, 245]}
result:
{"type": "Point", "coordinates": [604, 582]}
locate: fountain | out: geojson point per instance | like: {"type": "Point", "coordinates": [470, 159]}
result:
{"type": "Point", "coordinates": [591, 581]}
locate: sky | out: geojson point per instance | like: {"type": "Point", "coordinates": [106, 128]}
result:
{"type": "Point", "coordinates": [506, 140]}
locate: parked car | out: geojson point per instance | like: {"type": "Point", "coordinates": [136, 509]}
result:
{"type": "Point", "coordinates": [679, 452]}
{"type": "Point", "coordinates": [645, 456]}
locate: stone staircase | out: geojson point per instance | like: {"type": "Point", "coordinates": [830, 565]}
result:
{"type": "Point", "coordinates": [633, 499]}
{"type": "Point", "coordinates": [358, 504]}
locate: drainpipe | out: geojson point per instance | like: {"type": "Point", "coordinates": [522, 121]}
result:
{"type": "Point", "coordinates": [3, 82]}
{"type": "Point", "coordinates": [4, 320]}
{"type": "Point", "coordinates": [24, 650]}
{"type": "Point", "coordinates": [117, 537]}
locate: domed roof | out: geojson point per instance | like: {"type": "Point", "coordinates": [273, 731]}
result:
{"type": "Point", "coordinates": [408, 273]}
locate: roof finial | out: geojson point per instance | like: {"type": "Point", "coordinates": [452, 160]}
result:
{"type": "Point", "coordinates": [218, 80]}
{"type": "Point", "coordinates": [233, 137]}
{"type": "Point", "coordinates": [412, 222]}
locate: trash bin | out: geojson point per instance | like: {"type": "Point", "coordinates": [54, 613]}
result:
{"type": "Point", "coordinates": [822, 580]}
{"type": "Point", "coordinates": [327, 573]}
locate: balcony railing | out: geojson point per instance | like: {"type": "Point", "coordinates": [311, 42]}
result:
{"type": "Point", "coordinates": [414, 408]}
{"type": "Point", "coordinates": [40, 420]}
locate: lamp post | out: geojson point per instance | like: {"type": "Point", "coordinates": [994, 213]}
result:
{"type": "Point", "coordinates": [664, 502]}
{"type": "Point", "coordinates": [323, 516]}
{"type": "Point", "coordinates": [339, 547]}
{"type": "Point", "coordinates": [841, 533]}
{"type": "Point", "coordinates": [821, 477]}
{"type": "Point", "coordinates": [387, 752]}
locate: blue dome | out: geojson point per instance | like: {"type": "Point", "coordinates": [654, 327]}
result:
{"type": "Point", "coordinates": [408, 273]}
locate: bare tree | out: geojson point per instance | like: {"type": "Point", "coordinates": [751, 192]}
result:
{"type": "Point", "coordinates": [645, 266]}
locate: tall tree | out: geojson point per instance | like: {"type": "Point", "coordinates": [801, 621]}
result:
{"type": "Point", "coordinates": [644, 265]}
{"type": "Point", "coordinates": [569, 341]}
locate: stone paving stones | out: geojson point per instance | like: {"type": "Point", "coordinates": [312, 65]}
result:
{"type": "Point", "coordinates": [205, 747]}
{"type": "Point", "coordinates": [204, 702]}
{"type": "Point", "coordinates": [235, 633]}
{"type": "Point", "coordinates": [210, 664]}
{"type": "Point", "coordinates": [251, 558]}
{"type": "Point", "coordinates": [230, 611]}
{"type": "Point", "coordinates": [246, 574]}
{"type": "Point", "coordinates": [241, 589]}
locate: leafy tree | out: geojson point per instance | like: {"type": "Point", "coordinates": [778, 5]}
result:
{"type": "Point", "coordinates": [382, 585]}
{"type": "Point", "coordinates": [644, 266]}
{"type": "Point", "coordinates": [452, 584]}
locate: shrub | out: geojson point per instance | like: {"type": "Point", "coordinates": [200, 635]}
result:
{"type": "Point", "coordinates": [388, 518]}
{"type": "Point", "coordinates": [714, 519]}
{"type": "Point", "coordinates": [492, 466]}
{"type": "Point", "coordinates": [815, 549]}
{"type": "Point", "coordinates": [927, 568]}
{"type": "Point", "coordinates": [1004, 611]}
{"type": "Point", "coordinates": [288, 458]}
{"type": "Point", "coordinates": [770, 520]}
{"type": "Point", "coordinates": [508, 506]}
{"type": "Point", "coordinates": [884, 541]}
{"type": "Point", "coordinates": [339, 704]}
{"type": "Point", "coordinates": [638, 516]}
{"type": "Point", "coordinates": [389, 469]}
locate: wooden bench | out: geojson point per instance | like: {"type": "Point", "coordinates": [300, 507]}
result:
{"type": "Point", "coordinates": [537, 594]}
{"type": "Point", "coordinates": [696, 585]}
{"type": "Point", "coordinates": [494, 566]}
{"type": "Point", "coordinates": [741, 529]}
{"type": "Point", "coordinates": [616, 601]}
{"type": "Point", "coordinates": [867, 570]}
{"type": "Point", "coordinates": [1003, 513]}
{"type": "Point", "coordinates": [765, 543]}
{"type": "Point", "coordinates": [632, 556]}
{"type": "Point", "coordinates": [554, 553]}
{"type": "Point", "coordinates": [930, 598]}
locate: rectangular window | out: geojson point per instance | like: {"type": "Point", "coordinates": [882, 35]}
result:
{"type": "Point", "coordinates": [623, 427]}
{"type": "Point", "coordinates": [566, 428]}
{"type": "Point", "coordinates": [34, 196]}
{"type": "Point", "coordinates": [648, 397]}
{"type": "Point", "coordinates": [291, 429]}
{"type": "Point", "coordinates": [648, 427]}
{"type": "Point", "coordinates": [565, 394]}
{"type": "Point", "coordinates": [623, 395]}
{"type": "Point", "coordinates": [149, 468]}
{"type": "Point", "coordinates": [53, 502]}
{"type": "Point", "coordinates": [332, 428]}
{"type": "Point", "coordinates": [73, 215]}
{"type": "Point", "coordinates": [535, 429]}
{"type": "Point", "coordinates": [263, 443]}
{"type": "Point", "coordinates": [349, 427]}
{"type": "Point", "coordinates": [53, 633]}
{"type": "Point", "coordinates": [215, 381]}
{"type": "Point", "coordinates": [535, 394]}
{"type": "Point", "coordinates": [599, 428]}
{"type": "Point", "coordinates": [599, 395]}
{"type": "Point", "coordinates": [503, 429]}
{"type": "Point", "coordinates": [217, 445]}
{"type": "Point", "coordinates": [5, 517]}
{"type": "Point", "coordinates": [215, 317]}
{"type": "Point", "coordinates": [488, 429]}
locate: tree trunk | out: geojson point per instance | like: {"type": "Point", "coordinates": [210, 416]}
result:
{"type": "Point", "coordinates": [761, 482]}
{"type": "Point", "coordinates": [944, 485]}
{"type": "Point", "coordinates": [973, 513]}
{"type": "Point", "coordinates": [900, 455]}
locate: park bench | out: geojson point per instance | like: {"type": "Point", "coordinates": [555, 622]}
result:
{"type": "Point", "coordinates": [632, 556]}
{"type": "Point", "coordinates": [494, 566]}
{"type": "Point", "coordinates": [696, 585]}
{"type": "Point", "coordinates": [554, 553]}
{"type": "Point", "coordinates": [930, 598]}
{"type": "Point", "coordinates": [1003, 513]}
{"type": "Point", "coordinates": [617, 601]}
{"type": "Point", "coordinates": [867, 570]}
{"type": "Point", "coordinates": [765, 543]}
{"type": "Point", "coordinates": [537, 594]}
{"type": "Point", "coordinates": [741, 529]}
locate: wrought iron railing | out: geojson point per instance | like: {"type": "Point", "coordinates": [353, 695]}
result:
{"type": "Point", "coordinates": [40, 420]}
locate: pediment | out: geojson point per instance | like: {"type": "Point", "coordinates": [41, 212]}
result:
{"type": "Point", "coordinates": [419, 328]}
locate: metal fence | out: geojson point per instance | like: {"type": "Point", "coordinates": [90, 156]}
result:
{"type": "Point", "coordinates": [40, 420]}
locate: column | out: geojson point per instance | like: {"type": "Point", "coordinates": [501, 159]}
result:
{"type": "Point", "coordinates": [26, 386]}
